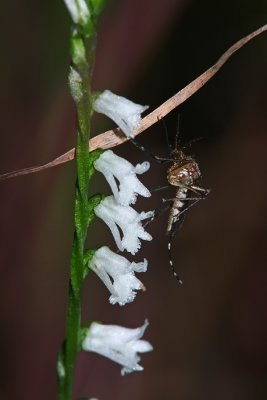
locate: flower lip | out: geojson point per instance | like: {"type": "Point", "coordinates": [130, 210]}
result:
{"type": "Point", "coordinates": [117, 273]}
{"type": "Point", "coordinates": [124, 112]}
{"type": "Point", "coordinates": [129, 221]}
{"type": "Point", "coordinates": [116, 168]}
{"type": "Point", "coordinates": [120, 344]}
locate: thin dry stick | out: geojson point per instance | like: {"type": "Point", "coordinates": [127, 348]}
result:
{"type": "Point", "coordinates": [115, 137]}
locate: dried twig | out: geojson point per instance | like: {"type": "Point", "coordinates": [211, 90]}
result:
{"type": "Point", "coordinates": [115, 137]}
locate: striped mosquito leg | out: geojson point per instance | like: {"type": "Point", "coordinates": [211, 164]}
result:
{"type": "Point", "coordinates": [171, 261]}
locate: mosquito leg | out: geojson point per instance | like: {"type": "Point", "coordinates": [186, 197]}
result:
{"type": "Point", "coordinates": [149, 152]}
{"type": "Point", "coordinates": [196, 189]}
{"type": "Point", "coordinates": [158, 188]}
{"type": "Point", "coordinates": [190, 205]}
{"type": "Point", "coordinates": [200, 190]}
{"type": "Point", "coordinates": [157, 213]}
{"type": "Point", "coordinates": [183, 199]}
{"type": "Point", "coordinates": [194, 202]}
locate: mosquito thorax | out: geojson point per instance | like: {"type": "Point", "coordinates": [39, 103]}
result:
{"type": "Point", "coordinates": [183, 173]}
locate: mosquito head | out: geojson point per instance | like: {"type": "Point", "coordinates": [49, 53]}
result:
{"type": "Point", "coordinates": [178, 155]}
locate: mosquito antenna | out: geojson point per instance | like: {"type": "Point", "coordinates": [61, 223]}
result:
{"type": "Point", "coordinates": [177, 135]}
{"type": "Point", "coordinates": [170, 237]}
{"type": "Point", "coordinates": [161, 160]}
{"type": "Point", "coordinates": [189, 144]}
{"type": "Point", "coordinates": [167, 138]}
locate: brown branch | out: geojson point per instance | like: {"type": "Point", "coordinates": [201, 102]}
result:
{"type": "Point", "coordinates": [115, 137]}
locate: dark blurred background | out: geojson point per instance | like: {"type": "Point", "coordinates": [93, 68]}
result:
{"type": "Point", "coordinates": [209, 336]}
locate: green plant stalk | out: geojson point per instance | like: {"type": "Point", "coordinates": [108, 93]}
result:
{"type": "Point", "coordinates": [82, 55]}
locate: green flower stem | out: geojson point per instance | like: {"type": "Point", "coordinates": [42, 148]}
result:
{"type": "Point", "coordinates": [82, 53]}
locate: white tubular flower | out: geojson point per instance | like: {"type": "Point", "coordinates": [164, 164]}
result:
{"type": "Point", "coordinates": [113, 166]}
{"type": "Point", "coordinates": [128, 220]}
{"type": "Point", "coordinates": [78, 10]}
{"type": "Point", "coordinates": [117, 343]}
{"type": "Point", "coordinates": [117, 273]}
{"type": "Point", "coordinates": [124, 112]}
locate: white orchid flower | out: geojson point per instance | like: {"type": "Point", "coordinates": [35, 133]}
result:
{"type": "Point", "coordinates": [117, 343]}
{"type": "Point", "coordinates": [117, 273]}
{"type": "Point", "coordinates": [129, 221]}
{"type": "Point", "coordinates": [113, 166]}
{"type": "Point", "coordinates": [124, 112]}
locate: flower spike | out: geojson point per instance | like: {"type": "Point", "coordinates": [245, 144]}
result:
{"type": "Point", "coordinates": [124, 112]}
{"type": "Point", "coordinates": [117, 273]}
{"type": "Point", "coordinates": [128, 220]}
{"type": "Point", "coordinates": [113, 166]}
{"type": "Point", "coordinates": [117, 343]}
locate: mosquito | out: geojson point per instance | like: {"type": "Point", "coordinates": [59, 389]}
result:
{"type": "Point", "coordinates": [183, 174]}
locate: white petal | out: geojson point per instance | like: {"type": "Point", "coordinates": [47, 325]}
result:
{"type": "Point", "coordinates": [139, 267]}
{"type": "Point", "coordinates": [117, 273]}
{"type": "Point", "coordinates": [124, 112]}
{"type": "Point", "coordinates": [113, 166]}
{"type": "Point", "coordinates": [120, 344]}
{"type": "Point", "coordinates": [124, 288]}
{"type": "Point", "coordinates": [128, 220]}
